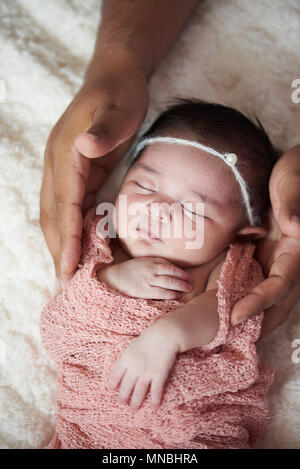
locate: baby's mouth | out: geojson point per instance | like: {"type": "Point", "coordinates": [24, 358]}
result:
{"type": "Point", "coordinates": [147, 233]}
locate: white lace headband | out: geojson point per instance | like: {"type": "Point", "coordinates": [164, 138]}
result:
{"type": "Point", "coordinates": [229, 158]}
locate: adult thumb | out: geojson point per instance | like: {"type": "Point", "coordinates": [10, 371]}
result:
{"type": "Point", "coordinates": [284, 188]}
{"type": "Point", "coordinates": [108, 130]}
{"type": "Point", "coordinates": [289, 205]}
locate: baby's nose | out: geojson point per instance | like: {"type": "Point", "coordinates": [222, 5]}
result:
{"type": "Point", "coordinates": [159, 212]}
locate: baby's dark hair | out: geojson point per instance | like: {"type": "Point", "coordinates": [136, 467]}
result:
{"type": "Point", "coordinates": [226, 130]}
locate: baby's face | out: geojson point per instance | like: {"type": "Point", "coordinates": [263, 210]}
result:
{"type": "Point", "coordinates": [206, 197]}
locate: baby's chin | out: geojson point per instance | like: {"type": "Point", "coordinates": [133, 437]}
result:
{"type": "Point", "coordinates": [146, 248]}
{"type": "Point", "coordinates": [142, 247]}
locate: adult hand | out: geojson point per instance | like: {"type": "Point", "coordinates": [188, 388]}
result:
{"type": "Point", "coordinates": [279, 251]}
{"type": "Point", "coordinates": [101, 120]}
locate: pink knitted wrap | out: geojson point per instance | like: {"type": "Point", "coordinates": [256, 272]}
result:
{"type": "Point", "coordinates": [215, 396]}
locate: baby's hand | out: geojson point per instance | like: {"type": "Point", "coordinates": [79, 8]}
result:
{"type": "Point", "coordinates": [146, 362]}
{"type": "Point", "coordinates": [147, 277]}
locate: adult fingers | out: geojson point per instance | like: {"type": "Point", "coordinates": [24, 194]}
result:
{"type": "Point", "coordinates": [284, 276]}
{"type": "Point", "coordinates": [110, 128]}
{"type": "Point", "coordinates": [278, 314]}
{"type": "Point", "coordinates": [48, 216]}
{"type": "Point", "coordinates": [285, 192]}
{"type": "Point", "coordinates": [70, 175]}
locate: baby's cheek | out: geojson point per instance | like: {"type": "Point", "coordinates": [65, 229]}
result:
{"type": "Point", "coordinates": [202, 244]}
{"type": "Point", "coordinates": [194, 232]}
{"type": "Point", "coordinates": [121, 219]}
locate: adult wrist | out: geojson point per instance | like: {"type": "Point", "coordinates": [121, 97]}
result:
{"type": "Point", "coordinates": [115, 60]}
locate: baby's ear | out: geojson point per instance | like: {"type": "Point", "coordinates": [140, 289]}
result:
{"type": "Point", "coordinates": [250, 232]}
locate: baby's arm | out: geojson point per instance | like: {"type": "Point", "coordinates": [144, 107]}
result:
{"type": "Point", "coordinates": [196, 323]}
{"type": "Point", "coordinates": [149, 358]}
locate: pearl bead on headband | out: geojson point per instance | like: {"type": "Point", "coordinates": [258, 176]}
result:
{"type": "Point", "coordinates": [229, 158]}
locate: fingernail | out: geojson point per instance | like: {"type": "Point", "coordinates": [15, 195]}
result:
{"type": "Point", "coordinates": [155, 405]}
{"type": "Point", "coordinates": [111, 384]}
{"type": "Point", "coordinates": [237, 321]}
{"type": "Point", "coordinates": [295, 218]}
{"type": "Point", "coordinates": [94, 137]}
{"type": "Point", "coordinates": [133, 407]}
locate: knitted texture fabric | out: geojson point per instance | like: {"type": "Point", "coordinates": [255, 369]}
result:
{"type": "Point", "coordinates": [215, 396]}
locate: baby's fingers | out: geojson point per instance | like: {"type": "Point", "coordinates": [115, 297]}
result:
{"type": "Point", "coordinates": [139, 393]}
{"type": "Point", "coordinates": [171, 283]}
{"type": "Point", "coordinates": [126, 386]}
{"type": "Point", "coordinates": [157, 387]}
{"type": "Point", "coordinates": [116, 375]}
{"type": "Point", "coordinates": [167, 268]}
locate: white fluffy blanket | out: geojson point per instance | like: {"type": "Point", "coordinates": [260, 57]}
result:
{"type": "Point", "coordinates": [241, 53]}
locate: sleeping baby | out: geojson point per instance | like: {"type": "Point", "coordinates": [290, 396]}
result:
{"type": "Point", "coordinates": [141, 336]}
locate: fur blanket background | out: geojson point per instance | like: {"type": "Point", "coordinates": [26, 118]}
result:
{"type": "Point", "coordinates": [241, 53]}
